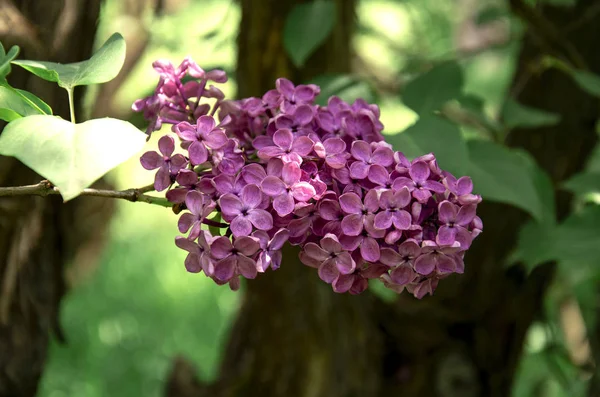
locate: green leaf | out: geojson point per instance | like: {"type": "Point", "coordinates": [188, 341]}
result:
{"type": "Point", "coordinates": [516, 115]}
{"type": "Point", "coordinates": [431, 90]}
{"type": "Point", "coordinates": [8, 115]}
{"type": "Point", "coordinates": [535, 245]}
{"type": "Point", "coordinates": [589, 82]}
{"type": "Point", "coordinates": [6, 59]}
{"type": "Point", "coordinates": [578, 237]}
{"type": "Point", "coordinates": [347, 87]}
{"type": "Point", "coordinates": [16, 103]}
{"type": "Point", "coordinates": [307, 26]}
{"type": "Point", "coordinates": [512, 177]}
{"type": "Point", "coordinates": [71, 156]}
{"type": "Point", "coordinates": [436, 135]}
{"type": "Point", "coordinates": [103, 66]}
{"type": "Point", "coordinates": [43, 107]}
{"type": "Point", "coordinates": [583, 183]}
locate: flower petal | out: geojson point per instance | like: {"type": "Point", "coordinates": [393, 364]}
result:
{"type": "Point", "coordinates": [261, 219]}
{"type": "Point", "coordinates": [166, 145]}
{"type": "Point", "coordinates": [246, 245]}
{"type": "Point", "coordinates": [328, 272]}
{"type": "Point", "coordinates": [273, 186]}
{"type": "Point", "coordinates": [284, 204]}
{"type": "Point", "coordinates": [419, 171]}
{"type": "Point", "coordinates": [230, 204]}
{"type": "Point", "coordinates": [246, 267]}
{"type": "Point", "coordinates": [352, 225]}
{"type": "Point", "coordinates": [283, 138]}
{"type": "Point", "coordinates": [225, 268]}
{"type": "Point", "coordinates": [351, 203]}
{"type": "Point", "coordinates": [221, 247]}
{"type": "Point", "coordinates": [151, 160]}
{"type": "Point", "coordinates": [240, 226]}
{"type": "Point", "coordinates": [369, 250]}
{"type": "Point", "coordinates": [251, 196]}
{"type": "Point", "coordinates": [361, 150]}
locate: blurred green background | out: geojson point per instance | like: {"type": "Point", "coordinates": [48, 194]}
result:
{"type": "Point", "coordinates": [128, 319]}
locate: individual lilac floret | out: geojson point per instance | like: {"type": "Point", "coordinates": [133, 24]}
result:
{"type": "Point", "coordinates": [168, 164]}
{"type": "Point", "coordinates": [280, 169]}
{"type": "Point", "coordinates": [270, 254]}
{"type": "Point", "coordinates": [234, 259]}
{"type": "Point", "coordinates": [243, 212]}
{"type": "Point", "coordinates": [200, 137]}
{"type": "Point", "coordinates": [329, 257]}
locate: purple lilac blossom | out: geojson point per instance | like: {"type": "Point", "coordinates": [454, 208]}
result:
{"type": "Point", "coordinates": [280, 169]}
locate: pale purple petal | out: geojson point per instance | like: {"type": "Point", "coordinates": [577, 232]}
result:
{"type": "Point", "coordinates": [231, 205]}
{"type": "Point", "coordinates": [151, 160]}
{"type": "Point", "coordinates": [284, 204]}
{"type": "Point", "coordinates": [225, 268]}
{"type": "Point", "coordinates": [220, 247]}
{"type": "Point", "coordinates": [303, 191]}
{"type": "Point", "coordinates": [352, 225]}
{"type": "Point", "coordinates": [273, 186]}
{"type": "Point", "coordinates": [419, 171]}
{"type": "Point", "coordinates": [361, 150]}
{"type": "Point", "coordinates": [283, 138]}
{"type": "Point", "coordinates": [328, 271]}
{"type": "Point", "coordinates": [303, 146]}
{"type": "Point", "coordinates": [246, 245]}
{"type": "Point", "coordinates": [331, 244]}
{"type": "Point", "coordinates": [466, 214]}
{"type": "Point", "coordinates": [166, 145]}
{"type": "Point", "coordinates": [351, 203]}
{"type": "Point", "coordinates": [315, 252]}
{"type": "Point", "coordinates": [241, 226]}
{"type": "Point", "coordinates": [261, 219]}
{"type": "Point", "coordinates": [425, 264]}
{"type": "Point", "coordinates": [369, 250]}
{"type": "Point", "coordinates": [359, 170]}
{"type": "Point", "coordinates": [389, 257]}
{"type": "Point", "coordinates": [344, 263]}
{"type": "Point", "coordinates": [246, 267]}
{"type": "Point", "coordinates": [446, 235]}
{"type": "Point", "coordinates": [383, 220]}
{"type": "Point", "coordinates": [402, 220]}
{"type": "Point", "coordinates": [251, 196]}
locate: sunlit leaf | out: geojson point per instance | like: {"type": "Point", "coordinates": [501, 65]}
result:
{"type": "Point", "coordinates": [103, 66]}
{"type": "Point", "coordinates": [71, 156]}
{"type": "Point", "coordinates": [432, 134]}
{"type": "Point", "coordinates": [516, 115]}
{"type": "Point", "coordinates": [6, 59]}
{"type": "Point", "coordinates": [307, 26]}
{"type": "Point", "coordinates": [429, 91]}
{"type": "Point", "coordinates": [17, 103]}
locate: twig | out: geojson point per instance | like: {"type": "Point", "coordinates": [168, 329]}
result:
{"type": "Point", "coordinates": [45, 188]}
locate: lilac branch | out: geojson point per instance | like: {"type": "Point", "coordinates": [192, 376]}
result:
{"type": "Point", "coordinates": [45, 188]}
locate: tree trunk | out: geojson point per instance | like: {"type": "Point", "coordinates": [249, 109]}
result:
{"type": "Point", "coordinates": [295, 337]}
{"type": "Point", "coordinates": [38, 236]}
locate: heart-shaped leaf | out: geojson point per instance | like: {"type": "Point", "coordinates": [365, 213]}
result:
{"type": "Point", "coordinates": [103, 66]}
{"type": "Point", "coordinates": [17, 103]}
{"type": "Point", "coordinates": [306, 28]}
{"type": "Point", "coordinates": [6, 59]}
{"type": "Point", "coordinates": [71, 156]}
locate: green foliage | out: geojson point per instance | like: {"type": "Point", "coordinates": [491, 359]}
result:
{"type": "Point", "coordinates": [436, 135]}
{"type": "Point", "coordinates": [584, 183]}
{"type": "Point", "coordinates": [72, 156]}
{"type": "Point", "coordinates": [347, 87]}
{"type": "Point", "coordinates": [306, 27]}
{"type": "Point", "coordinates": [15, 104]}
{"type": "Point", "coordinates": [516, 115]}
{"type": "Point", "coordinates": [512, 177]}
{"type": "Point", "coordinates": [103, 66]}
{"type": "Point", "coordinates": [431, 90]}
{"type": "Point", "coordinates": [589, 82]}
{"type": "Point", "coordinates": [6, 59]}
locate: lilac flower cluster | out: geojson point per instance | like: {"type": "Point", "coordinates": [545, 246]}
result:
{"type": "Point", "coordinates": [280, 169]}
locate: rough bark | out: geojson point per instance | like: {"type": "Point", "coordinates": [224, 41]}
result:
{"type": "Point", "coordinates": [294, 337]}
{"type": "Point", "coordinates": [39, 235]}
